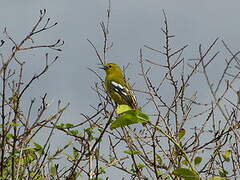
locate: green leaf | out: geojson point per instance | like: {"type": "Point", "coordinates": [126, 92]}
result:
{"type": "Point", "coordinates": [75, 153]}
{"type": "Point", "coordinates": [197, 160]}
{"type": "Point", "coordinates": [238, 95]}
{"type": "Point", "coordinates": [128, 118]}
{"type": "Point", "coordinates": [141, 165]}
{"type": "Point", "coordinates": [185, 162]}
{"type": "Point", "coordinates": [70, 157]}
{"type": "Point", "coordinates": [122, 108]}
{"type": "Point", "coordinates": [9, 136]}
{"type": "Point", "coordinates": [74, 132]}
{"type": "Point", "coordinates": [159, 159]}
{"type": "Point", "coordinates": [96, 179]}
{"type": "Point", "coordinates": [69, 125]}
{"type": "Point", "coordinates": [217, 178]}
{"type": "Point", "coordinates": [15, 124]}
{"type": "Point", "coordinates": [159, 173]}
{"type": "Point", "coordinates": [38, 148]}
{"type": "Point", "coordinates": [186, 174]}
{"type": "Point", "coordinates": [102, 170]}
{"type": "Point", "coordinates": [181, 133]}
{"type": "Point", "coordinates": [226, 155]}
{"type": "Point", "coordinates": [62, 125]}
{"type": "Point", "coordinates": [132, 152]}
{"type": "Point", "coordinates": [28, 156]}
{"type": "Point", "coordinates": [53, 170]}
{"type": "Point", "coordinates": [223, 172]}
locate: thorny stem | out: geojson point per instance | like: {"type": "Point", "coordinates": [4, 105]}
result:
{"type": "Point", "coordinates": [71, 174]}
{"type": "Point", "coordinates": [178, 146]}
{"type": "Point", "coordinates": [15, 114]}
{"type": "Point", "coordinates": [3, 120]}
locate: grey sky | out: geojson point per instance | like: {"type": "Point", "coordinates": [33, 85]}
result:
{"type": "Point", "coordinates": [133, 24]}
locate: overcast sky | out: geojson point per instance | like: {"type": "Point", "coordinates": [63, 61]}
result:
{"type": "Point", "coordinates": [133, 24]}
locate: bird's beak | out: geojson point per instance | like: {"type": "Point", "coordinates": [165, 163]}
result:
{"type": "Point", "coordinates": [103, 66]}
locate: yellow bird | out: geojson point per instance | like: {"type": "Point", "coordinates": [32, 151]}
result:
{"type": "Point", "coordinates": [117, 86]}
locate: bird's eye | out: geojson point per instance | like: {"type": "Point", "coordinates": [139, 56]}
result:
{"type": "Point", "coordinates": [109, 66]}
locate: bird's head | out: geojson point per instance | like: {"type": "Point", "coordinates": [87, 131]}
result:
{"type": "Point", "coordinates": [111, 68]}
